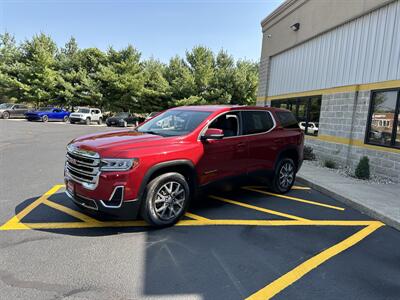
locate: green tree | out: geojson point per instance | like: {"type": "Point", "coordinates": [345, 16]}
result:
{"type": "Point", "coordinates": [245, 83]}
{"type": "Point", "coordinates": [201, 63]}
{"type": "Point", "coordinates": [122, 80]}
{"type": "Point", "coordinates": [156, 93]}
{"type": "Point", "coordinates": [180, 79]}
{"type": "Point", "coordinates": [11, 88]}
{"type": "Point", "coordinates": [38, 58]}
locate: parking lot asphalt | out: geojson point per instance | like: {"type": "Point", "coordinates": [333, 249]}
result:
{"type": "Point", "coordinates": [237, 244]}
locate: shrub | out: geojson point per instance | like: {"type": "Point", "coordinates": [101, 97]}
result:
{"type": "Point", "coordinates": [330, 164]}
{"type": "Point", "coordinates": [308, 153]}
{"type": "Point", "coordinates": [362, 170]}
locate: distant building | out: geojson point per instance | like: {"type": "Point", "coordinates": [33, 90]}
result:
{"type": "Point", "coordinates": [336, 65]}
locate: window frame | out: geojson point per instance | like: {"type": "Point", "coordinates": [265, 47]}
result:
{"type": "Point", "coordinates": [296, 101]}
{"type": "Point", "coordinates": [395, 119]}
{"type": "Point", "coordinates": [239, 111]}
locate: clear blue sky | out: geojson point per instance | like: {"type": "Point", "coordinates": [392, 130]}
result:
{"type": "Point", "coordinates": [157, 28]}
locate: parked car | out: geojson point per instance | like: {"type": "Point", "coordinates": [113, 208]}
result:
{"type": "Point", "coordinates": [311, 129]}
{"type": "Point", "coordinates": [10, 110]}
{"type": "Point", "coordinates": [48, 114]}
{"type": "Point", "coordinates": [122, 119]}
{"type": "Point", "coordinates": [86, 115]}
{"type": "Point", "coordinates": [154, 171]}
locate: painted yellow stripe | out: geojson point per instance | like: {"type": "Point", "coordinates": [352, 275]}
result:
{"type": "Point", "coordinates": [346, 141]}
{"type": "Point", "coordinates": [284, 281]}
{"type": "Point", "coordinates": [294, 199]}
{"type": "Point", "coordinates": [295, 187]}
{"type": "Point", "coordinates": [196, 217]}
{"type": "Point", "coordinates": [71, 212]}
{"type": "Point", "coordinates": [32, 206]}
{"type": "Point", "coordinates": [265, 210]}
{"type": "Point", "coordinates": [110, 224]}
{"type": "Point", "coordinates": [340, 89]}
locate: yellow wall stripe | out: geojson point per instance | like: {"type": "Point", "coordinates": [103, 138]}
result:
{"type": "Point", "coordinates": [340, 89]}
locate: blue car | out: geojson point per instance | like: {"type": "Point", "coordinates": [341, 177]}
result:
{"type": "Point", "coordinates": [48, 114]}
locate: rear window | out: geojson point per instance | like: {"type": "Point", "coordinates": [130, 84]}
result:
{"type": "Point", "coordinates": [256, 122]}
{"type": "Point", "coordinates": [287, 119]}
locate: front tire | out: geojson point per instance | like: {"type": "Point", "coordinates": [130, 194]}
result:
{"type": "Point", "coordinates": [87, 121]}
{"type": "Point", "coordinates": [100, 121]}
{"type": "Point", "coordinates": [284, 176]}
{"type": "Point", "coordinates": [6, 115]}
{"type": "Point", "coordinates": [45, 119]}
{"type": "Point", "coordinates": [166, 200]}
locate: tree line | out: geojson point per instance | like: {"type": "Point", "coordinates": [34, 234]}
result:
{"type": "Point", "coordinates": [38, 72]}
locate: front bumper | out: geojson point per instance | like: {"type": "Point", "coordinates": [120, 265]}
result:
{"type": "Point", "coordinates": [115, 206]}
{"type": "Point", "coordinates": [76, 120]}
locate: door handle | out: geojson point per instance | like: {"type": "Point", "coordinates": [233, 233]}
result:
{"type": "Point", "coordinates": [240, 145]}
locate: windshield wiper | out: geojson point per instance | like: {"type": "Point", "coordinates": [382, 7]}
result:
{"type": "Point", "coordinates": [150, 132]}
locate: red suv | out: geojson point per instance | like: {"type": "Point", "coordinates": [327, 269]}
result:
{"type": "Point", "coordinates": [156, 168]}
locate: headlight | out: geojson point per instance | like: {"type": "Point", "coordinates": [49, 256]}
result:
{"type": "Point", "coordinates": [117, 164]}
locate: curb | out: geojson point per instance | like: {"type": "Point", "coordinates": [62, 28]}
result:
{"type": "Point", "coordinates": [350, 202]}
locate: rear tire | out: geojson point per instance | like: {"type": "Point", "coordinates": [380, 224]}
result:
{"type": "Point", "coordinates": [65, 119]}
{"type": "Point", "coordinates": [284, 176]}
{"type": "Point", "coordinates": [166, 200]}
{"type": "Point", "coordinates": [6, 115]}
{"type": "Point", "coordinates": [88, 121]}
{"type": "Point", "coordinates": [100, 121]}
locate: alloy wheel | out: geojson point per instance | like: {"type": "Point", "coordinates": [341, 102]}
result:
{"type": "Point", "coordinates": [286, 175]}
{"type": "Point", "coordinates": [169, 200]}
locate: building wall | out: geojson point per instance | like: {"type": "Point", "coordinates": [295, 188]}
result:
{"type": "Point", "coordinates": [362, 51]}
{"type": "Point", "coordinates": [342, 128]}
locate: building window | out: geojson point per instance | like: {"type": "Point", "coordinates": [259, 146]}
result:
{"type": "Point", "coordinates": [307, 111]}
{"type": "Point", "coordinates": [383, 126]}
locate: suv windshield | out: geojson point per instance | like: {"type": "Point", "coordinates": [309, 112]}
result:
{"type": "Point", "coordinates": [174, 122]}
{"type": "Point", "coordinates": [6, 105]}
{"type": "Point", "coordinates": [83, 110]}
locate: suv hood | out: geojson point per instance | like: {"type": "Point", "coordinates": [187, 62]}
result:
{"type": "Point", "coordinates": [112, 143]}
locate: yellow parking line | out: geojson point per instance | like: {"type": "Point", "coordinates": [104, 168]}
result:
{"type": "Point", "coordinates": [196, 217]}
{"type": "Point", "coordinates": [295, 187]}
{"type": "Point", "coordinates": [294, 198]}
{"type": "Point", "coordinates": [71, 212]}
{"type": "Point", "coordinates": [284, 281]}
{"type": "Point", "coordinates": [273, 212]}
{"type": "Point", "coordinates": [30, 207]}
{"type": "Point", "coordinates": [71, 225]}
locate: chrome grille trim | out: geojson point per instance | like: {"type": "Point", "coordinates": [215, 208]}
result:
{"type": "Point", "coordinates": [83, 167]}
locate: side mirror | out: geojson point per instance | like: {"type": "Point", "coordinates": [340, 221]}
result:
{"type": "Point", "coordinates": [213, 134]}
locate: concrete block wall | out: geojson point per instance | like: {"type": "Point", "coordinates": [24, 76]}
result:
{"type": "Point", "coordinates": [263, 80]}
{"type": "Point", "coordinates": [345, 116]}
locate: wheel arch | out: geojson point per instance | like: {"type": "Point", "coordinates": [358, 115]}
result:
{"type": "Point", "coordinates": [288, 152]}
{"type": "Point", "coordinates": [181, 166]}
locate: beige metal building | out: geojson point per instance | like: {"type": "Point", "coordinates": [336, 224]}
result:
{"type": "Point", "coordinates": [336, 65]}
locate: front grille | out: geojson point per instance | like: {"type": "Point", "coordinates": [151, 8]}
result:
{"type": "Point", "coordinates": [83, 167]}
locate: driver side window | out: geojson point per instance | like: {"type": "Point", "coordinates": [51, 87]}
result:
{"type": "Point", "coordinates": [228, 122]}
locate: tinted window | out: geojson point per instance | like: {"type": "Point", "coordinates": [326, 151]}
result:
{"type": "Point", "coordinates": [228, 122]}
{"type": "Point", "coordinates": [382, 123]}
{"type": "Point", "coordinates": [256, 122]}
{"type": "Point", "coordinates": [174, 122]}
{"type": "Point", "coordinates": [287, 119]}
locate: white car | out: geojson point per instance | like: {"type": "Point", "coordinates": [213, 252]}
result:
{"type": "Point", "coordinates": [86, 115]}
{"type": "Point", "coordinates": [312, 127]}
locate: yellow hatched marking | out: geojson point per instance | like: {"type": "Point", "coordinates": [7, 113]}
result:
{"type": "Point", "coordinates": [273, 212]}
{"type": "Point", "coordinates": [295, 187]}
{"type": "Point", "coordinates": [294, 198]}
{"type": "Point", "coordinates": [16, 219]}
{"type": "Point", "coordinates": [196, 217]}
{"type": "Point", "coordinates": [71, 212]}
{"type": "Point", "coordinates": [284, 281]}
